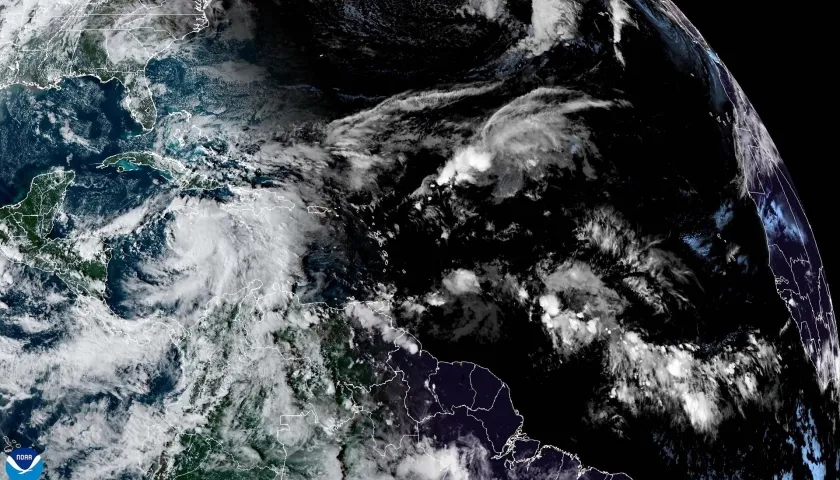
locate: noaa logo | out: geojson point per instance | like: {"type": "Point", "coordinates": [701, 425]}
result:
{"type": "Point", "coordinates": [24, 464]}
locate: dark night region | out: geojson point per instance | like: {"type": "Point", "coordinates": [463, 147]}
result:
{"type": "Point", "coordinates": [661, 162]}
{"type": "Point", "coordinates": [452, 384]}
{"type": "Point", "coordinates": [754, 39]}
{"type": "Point", "coordinates": [486, 387]}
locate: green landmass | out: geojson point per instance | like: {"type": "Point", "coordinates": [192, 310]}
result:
{"type": "Point", "coordinates": [171, 170]}
{"type": "Point", "coordinates": [24, 235]}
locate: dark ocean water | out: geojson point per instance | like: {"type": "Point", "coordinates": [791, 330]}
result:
{"type": "Point", "coordinates": [35, 137]}
{"type": "Point", "coordinates": [30, 143]}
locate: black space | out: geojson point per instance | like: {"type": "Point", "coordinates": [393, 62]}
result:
{"type": "Point", "coordinates": [782, 55]}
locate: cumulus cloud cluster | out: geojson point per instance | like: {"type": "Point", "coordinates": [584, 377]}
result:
{"type": "Point", "coordinates": [212, 300]}
{"type": "Point", "coordinates": [216, 249]}
{"type": "Point", "coordinates": [578, 308]}
{"type": "Point", "coordinates": [376, 137]}
{"type": "Point", "coordinates": [662, 270]}
{"type": "Point", "coordinates": [462, 281]}
{"type": "Point", "coordinates": [677, 378]}
{"type": "Point", "coordinates": [429, 463]}
{"type": "Point", "coordinates": [698, 388]}
{"type": "Point", "coordinates": [525, 136]}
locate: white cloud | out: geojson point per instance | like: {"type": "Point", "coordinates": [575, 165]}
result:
{"type": "Point", "coordinates": [429, 463]}
{"type": "Point", "coordinates": [605, 230]}
{"type": "Point", "coordinates": [587, 311]}
{"type": "Point", "coordinates": [235, 72]}
{"type": "Point", "coordinates": [701, 410]}
{"type": "Point", "coordinates": [620, 17]}
{"type": "Point", "coordinates": [569, 330]}
{"type": "Point", "coordinates": [462, 281]}
{"type": "Point", "coordinates": [577, 276]}
{"type": "Point", "coordinates": [523, 137]}
{"type": "Point", "coordinates": [491, 9]}
{"type": "Point", "coordinates": [224, 273]}
{"type": "Point", "coordinates": [72, 137]}
{"type": "Point", "coordinates": [550, 304]}
{"type": "Point", "coordinates": [551, 21]}
{"type": "Point", "coordinates": [377, 316]}
{"type": "Point", "coordinates": [39, 43]}
{"type": "Point", "coordinates": [674, 380]}
{"type": "Point", "coordinates": [99, 354]}
{"type": "Point", "coordinates": [218, 249]}
{"type": "Point", "coordinates": [363, 138]}
{"type": "Point", "coordinates": [29, 323]}
{"type": "Point", "coordinates": [463, 163]}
